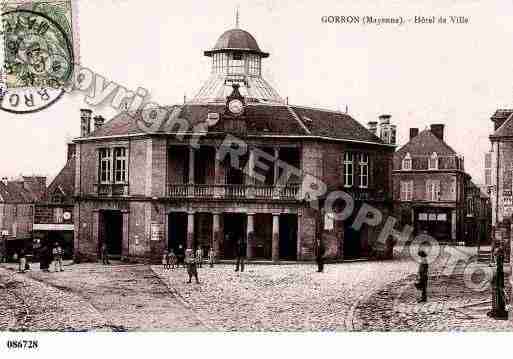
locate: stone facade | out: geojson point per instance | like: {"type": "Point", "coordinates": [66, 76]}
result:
{"type": "Point", "coordinates": [434, 194]}
{"type": "Point", "coordinates": [251, 172]}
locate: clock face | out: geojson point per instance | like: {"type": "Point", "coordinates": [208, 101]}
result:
{"type": "Point", "coordinates": [66, 216]}
{"type": "Point", "coordinates": [235, 106]}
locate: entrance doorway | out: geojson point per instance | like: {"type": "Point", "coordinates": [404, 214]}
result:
{"type": "Point", "coordinates": [352, 238]}
{"type": "Point", "coordinates": [177, 231]}
{"type": "Point", "coordinates": [234, 228]}
{"type": "Point", "coordinates": [288, 237]}
{"type": "Point", "coordinates": [112, 231]}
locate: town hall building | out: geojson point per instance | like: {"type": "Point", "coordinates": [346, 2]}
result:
{"type": "Point", "coordinates": [144, 191]}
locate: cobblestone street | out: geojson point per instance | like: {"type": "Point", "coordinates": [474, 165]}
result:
{"type": "Point", "coordinates": [287, 297]}
{"type": "Point", "coordinates": [451, 307]}
{"type": "Point", "coordinates": [293, 297]}
{"type": "Point", "coordinates": [93, 297]}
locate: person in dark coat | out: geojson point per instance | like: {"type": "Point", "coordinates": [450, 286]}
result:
{"type": "Point", "coordinates": [192, 265]}
{"type": "Point", "coordinates": [240, 252]}
{"type": "Point", "coordinates": [422, 276]}
{"type": "Point", "coordinates": [320, 250]}
{"type": "Point", "coordinates": [44, 258]}
{"type": "Point", "coordinates": [180, 256]}
{"type": "Point", "coordinates": [105, 254]}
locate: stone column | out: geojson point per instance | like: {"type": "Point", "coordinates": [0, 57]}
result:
{"type": "Point", "coordinates": [216, 233]}
{"type": "Point", "coordinates": [191, 165]}
{"type": "Point", "coordinates": [250, 249]}
{"type": "Point", "coordinates": [190, 230]}
{"type": "Point", "coordinates": [276, 238]}
{"type": "Point", "coordinates": [125, 246]}
{"type": "Point", "coordinates": [96, 232]}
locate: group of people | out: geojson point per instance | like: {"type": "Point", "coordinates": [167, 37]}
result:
{"type": "Point", "coordinates": [47, 256]}
{"type": "Point", "coordinates": [192, 259]}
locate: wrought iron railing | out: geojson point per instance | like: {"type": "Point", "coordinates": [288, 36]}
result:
{"type": "Point", "coordinates": [112, 189]}
{"type": "Point", "coordinates": [234, 191]}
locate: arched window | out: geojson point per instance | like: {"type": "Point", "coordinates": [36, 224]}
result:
{"type": "Point", "coordinates": [407, 162]}
{"type": "Point", "coordinates": [433, 162]}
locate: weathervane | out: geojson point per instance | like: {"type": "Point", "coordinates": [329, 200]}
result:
{"type": "Point", "coordinates": [237, 17]}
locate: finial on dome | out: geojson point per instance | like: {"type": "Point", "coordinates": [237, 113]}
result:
{"type": "Point", "coordinates": [237, 19]}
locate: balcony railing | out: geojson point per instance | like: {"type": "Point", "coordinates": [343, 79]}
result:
{"type": "Point", "coordinates": [109, 190]}
{"type": "Point", "coordinates": [234, 191]}
{"type": "Point", "coordinates": [366, 194]}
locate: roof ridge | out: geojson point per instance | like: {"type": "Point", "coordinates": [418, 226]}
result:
{"type": "Point", "coordinates": [296, 116]}
{"type": "Point", "coordinates": [320, 109]}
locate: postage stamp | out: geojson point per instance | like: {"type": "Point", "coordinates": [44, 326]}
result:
{"type": "Point", "coordinates": [39, 49]}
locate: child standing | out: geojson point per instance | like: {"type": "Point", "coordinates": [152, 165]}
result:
{"type": "Point", "coordinates": [57, 257]}
{"type": "Point", "coordinates": [199, 257]}
{"type": "Point", "coordinates": [211, 257]}
{"type": "Point", "coordinates": [165, 261]}
{"type": "Point", "coordinates": [171, 259]}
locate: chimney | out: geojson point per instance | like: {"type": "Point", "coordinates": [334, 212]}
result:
{"type": "Point", "coordinates": [438, 131]}
{"type": "Point", "coordinates": [373, 127]}
{"type": "Point", "coordinates": [393, 134]}
{"type": "Point", "coordinates": [98, 122]}
{"type": "Point", "coordinates": [72, 147]}
{"type": "Point", "coordinates": [85, 122]}
{"type": "Point", "coordinates": [385, 130]}
{"type": "Point", "coordinates": [384, 119]}
{"type": "Point", "coordinates": [414, 132]}
{"type": "Point", "coordinates": [35, 184]}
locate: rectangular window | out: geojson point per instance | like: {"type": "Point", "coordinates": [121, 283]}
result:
{"type": "Point", "coordinates": [433, 190]}
{"type": "Point", "coordinates": [364, 170]}
{"type": "Point", "coordinates": [120, 172]}
{"type": "Point", "coordinates": [113, 165]}
{"type": "Point", "coordinates": [406, 190]}
{"type": "Point", "coordinates": [348, 169]}
{"type": "Point", "coordinates": [105, 165]}
{"type": "Point", "coordinates": [58, 213]}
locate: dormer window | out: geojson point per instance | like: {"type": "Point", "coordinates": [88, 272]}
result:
{"type": "Point", "coordinates": [433, 162]}
{"type": "Point", "coordinates": [407, 162]}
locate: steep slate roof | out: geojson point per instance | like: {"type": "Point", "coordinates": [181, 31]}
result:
{"type": "Point", "coordinates": [262, 119]}
{"type": "Point", "coordinates": [506, 129]}
{"type": "Point", "coordinates": [424, 144]}
{"type": "Point", "coordinates": [63, 184]}
{"type": "Point", "coordinates": [14, 192]}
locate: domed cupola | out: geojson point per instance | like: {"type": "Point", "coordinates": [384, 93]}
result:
{"type": "Point", "coordinates": [236, 59]}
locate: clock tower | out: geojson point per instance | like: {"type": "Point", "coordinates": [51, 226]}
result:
{"type": "Point", "coordinates": [234, 118]}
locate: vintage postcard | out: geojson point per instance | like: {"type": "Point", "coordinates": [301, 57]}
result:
{"type": "Point", "coordinates": [272, 166]}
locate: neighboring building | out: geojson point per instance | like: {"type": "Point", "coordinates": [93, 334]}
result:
{"type": "Point", "coordinates": [429, 186]}
{"type": "Point", "coordinates": [502, 171]}
{"type": "Point", "coordinates": [488, 171]}
{"type": "Point", "coordinates": [478, 215]}
{"type": "Point", "coordinates": [17, 198]}
{"type": "Point", "coordinates": [144, 192]}
{"type": "Point", "coordinates": [53, 217]}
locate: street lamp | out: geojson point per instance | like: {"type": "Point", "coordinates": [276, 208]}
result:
{"type": "Point", "coordinates": [5, 233]}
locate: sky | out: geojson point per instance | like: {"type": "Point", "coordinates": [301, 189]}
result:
{"type": "Point", "coordinates": [421, 74]}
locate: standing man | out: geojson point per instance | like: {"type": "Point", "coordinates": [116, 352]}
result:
{"type": "Point", "coordinates": [22, 261]}
{"type": "Point", "coordinates": [422, 276]}
{"type": "Point", "coordinates": [240, 249]}
{"type": "Point", "coordinates": [105, 254]}
{"type": "Point", "coordinates": [199, 256]}
{"type": "Point", "coordinates": [192, 269]}
{"type": "Point", "coordinates": [319, 255]}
